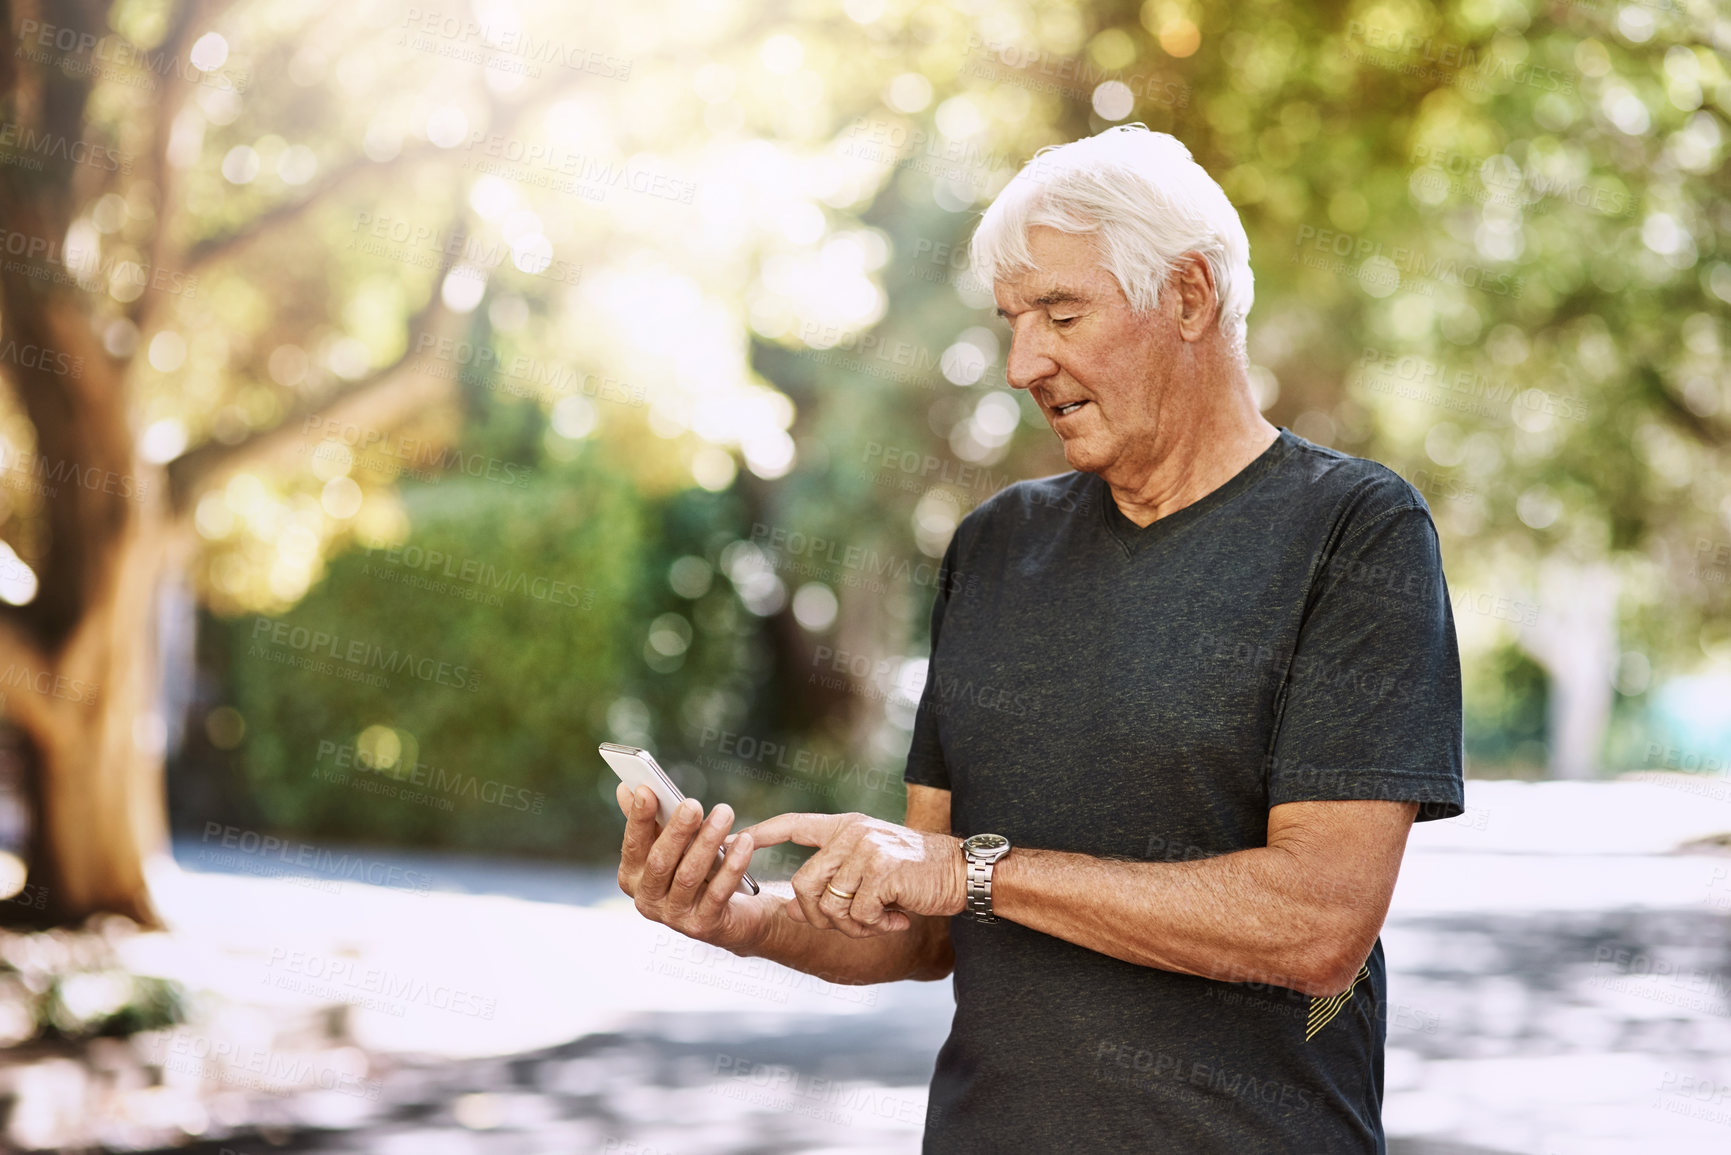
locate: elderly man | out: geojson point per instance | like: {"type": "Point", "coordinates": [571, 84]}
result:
{"type": "Point", "coordinates": [1165, 762]}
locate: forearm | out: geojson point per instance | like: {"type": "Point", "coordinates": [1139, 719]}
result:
{"type": "Point", "coordinates": [920, 952]}
{"type": "Point", "coordinates": [1254, 915]}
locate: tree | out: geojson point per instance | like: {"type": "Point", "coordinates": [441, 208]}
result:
{"type": "Point", "coordinates": [1488, 247]}
{"type": "Point", "coordinates": [113, 524]}
{"type": "Point", "coordinates": [217, 267]}
{"type": "Point", "coordinates": [1489, 243]}
{"type": "Point", "coordinates": [175, 258]}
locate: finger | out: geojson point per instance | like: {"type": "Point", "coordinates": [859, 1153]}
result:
{"type": "Point", "coordinates": [622, 795]}
{"type": "Point", "coordinates": [838, 908]}
{"type": "Point", "coordinates": [867, 907]}
{"type": "Point", "coordinates": [842, 919]}
{"type": "Point", "coordinates": [669, 848]}
{"type": "Point", "coordinates": [875, 905]}
{"type": "Point", "coordinates": [810, 880]}
{"type": "Point", "coordinates": [874, 909]}
{"type": "Point", "coordinates": [884, 921]}
{"type": "Point", "coordinates": [699, 859]}
{"type": "Point", "coordinates": [846, 913]}
{"type": "Point", "coordinates": [805, 829]}
{"type": "Point", "coordinates": [640, 831]}
{"type": "Point", "coordinates": [808, 884]}
{"type": "Point", "coordinates": [726, 880]}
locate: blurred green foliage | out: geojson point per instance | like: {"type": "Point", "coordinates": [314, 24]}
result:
{"type": "Point", "coordinates": [563, 558]}
{"type": "Point", "coordinates": [511, 766]}
{"type": "Point", "coordinates": [1525, 203]}
{"type": "Point", "coordinates": [1505, 717]}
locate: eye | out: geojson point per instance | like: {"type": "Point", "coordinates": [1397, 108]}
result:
{"type": "Point", "coordinates": [1064, 322]}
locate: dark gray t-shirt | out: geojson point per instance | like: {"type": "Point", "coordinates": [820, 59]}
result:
{"type": "Point", "coordinates": [1149, 693]}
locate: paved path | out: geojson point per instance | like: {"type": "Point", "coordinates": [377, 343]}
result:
{"type": "Point", "coordinates": [1558, 986]}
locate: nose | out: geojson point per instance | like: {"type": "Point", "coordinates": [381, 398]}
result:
{"type": "Point", "coordinates": [1029, 362]}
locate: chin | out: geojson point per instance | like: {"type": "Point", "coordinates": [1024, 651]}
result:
{"type": "Point", "coordinates": [1082, 456]}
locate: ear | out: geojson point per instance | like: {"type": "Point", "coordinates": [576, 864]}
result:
{"type": "Point", "coordinates": [1198, 302]}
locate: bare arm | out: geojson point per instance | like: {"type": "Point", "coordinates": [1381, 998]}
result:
{"type": "Point", "coordinates": [668, 873]}
{"type": "Point", "coordinates": [1301, 912]}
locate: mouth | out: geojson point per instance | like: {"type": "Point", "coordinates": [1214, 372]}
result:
{"type": "Point", "coordinates": [1067, 409]}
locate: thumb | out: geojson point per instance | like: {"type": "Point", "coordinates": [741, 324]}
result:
{"type": "Point", "coordinates": [792, 907]}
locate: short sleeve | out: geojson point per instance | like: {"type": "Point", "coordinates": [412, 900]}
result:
{"type": "Point", "coordinates": [926, 756]}
{"type": "Point", "coordinates": [1371, 708]}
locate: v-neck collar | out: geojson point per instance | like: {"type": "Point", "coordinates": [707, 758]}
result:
{"type": "Point", "coordinates": [1135, 537]}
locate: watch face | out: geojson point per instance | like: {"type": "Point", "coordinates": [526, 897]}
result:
{"type": "Point", "coordinates": [986, 845]}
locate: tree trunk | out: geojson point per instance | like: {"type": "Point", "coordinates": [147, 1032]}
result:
{"type": "Point", "coordinates": [80, 662]}
{"type": "Point", "coordinates": [89, 714]}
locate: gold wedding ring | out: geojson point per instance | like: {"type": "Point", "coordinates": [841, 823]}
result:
{"type": "Point", "coordinates": [844, 895]}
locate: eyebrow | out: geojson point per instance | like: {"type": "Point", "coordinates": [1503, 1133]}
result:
{"type": "Point", "coordinates": [1055, 297]}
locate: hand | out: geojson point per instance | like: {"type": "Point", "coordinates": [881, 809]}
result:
{"type": "Point", "coordinates": [891, 871]}
{"type": "Point", "coordinates": [665, 871]}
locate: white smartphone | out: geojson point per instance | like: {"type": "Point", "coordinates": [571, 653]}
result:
{"type": "Point", "coordinates": [636, 768]}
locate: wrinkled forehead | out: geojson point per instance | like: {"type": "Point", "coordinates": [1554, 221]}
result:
{"type": "Point", "coordinates": [1066, 269]}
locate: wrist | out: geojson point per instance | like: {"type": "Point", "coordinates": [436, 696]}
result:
{"type": "Point", "coordinates": [958, 880]}
{"type": "Point", "coordinates": [1004, 878]}
{"type": "Point", "coordinates": [758, 936]}
{"type": "Point", "coordinates": [981, 854]}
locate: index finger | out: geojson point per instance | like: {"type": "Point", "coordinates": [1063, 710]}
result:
{"type": "Point", "coordinates": [805, 829]}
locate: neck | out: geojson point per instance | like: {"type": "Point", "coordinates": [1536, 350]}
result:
{"type": "Point", "coordinates": [1207, 445]}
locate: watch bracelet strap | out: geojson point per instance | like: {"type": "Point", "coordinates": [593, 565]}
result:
{"type": "Point", "coordinates": [980, 890]}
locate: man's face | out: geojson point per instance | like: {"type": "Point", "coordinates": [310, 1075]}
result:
{"type": "Point", "coordinates": [1103, 377]}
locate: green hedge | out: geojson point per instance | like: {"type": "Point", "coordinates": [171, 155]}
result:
{"type": "Point", "coordinates": [497, 719]}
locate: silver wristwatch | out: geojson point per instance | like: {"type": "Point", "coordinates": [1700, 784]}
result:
{"type": "Point", "coordinates": [982, 851]}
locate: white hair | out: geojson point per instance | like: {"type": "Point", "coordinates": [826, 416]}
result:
{"type": "Point", "coordinates": [1147, 202]}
